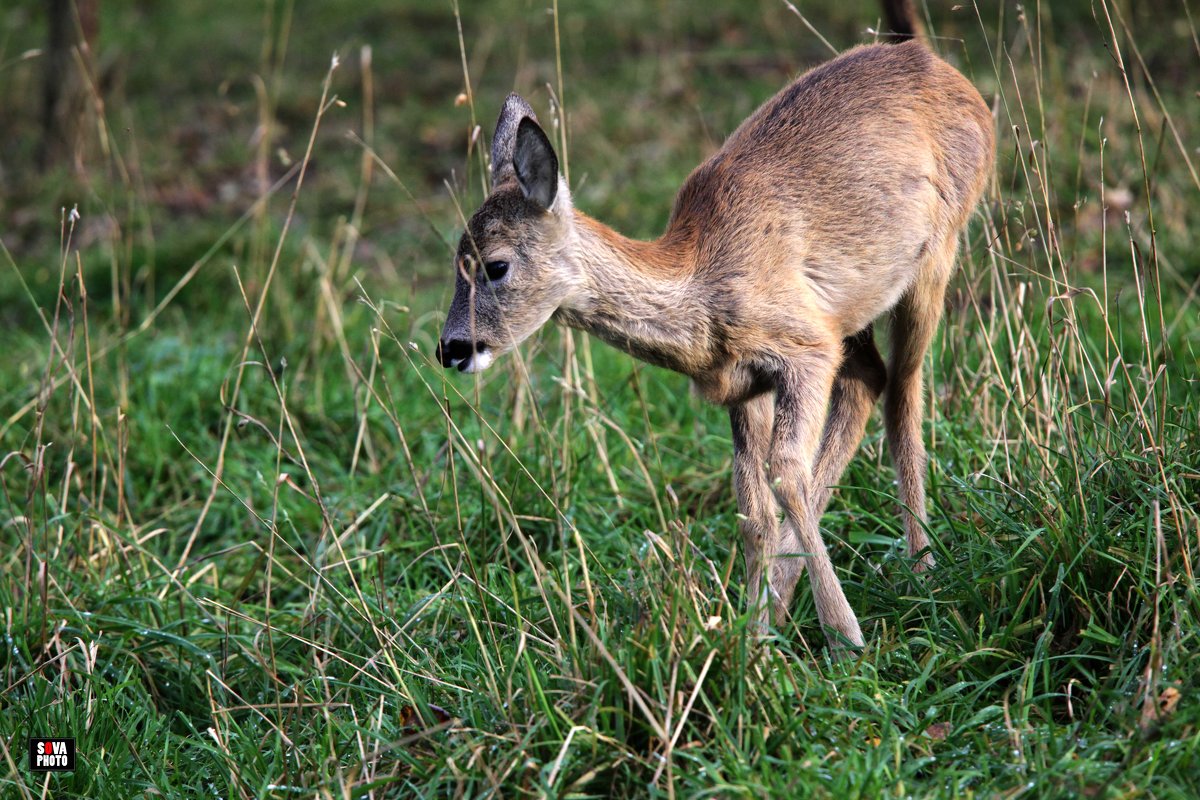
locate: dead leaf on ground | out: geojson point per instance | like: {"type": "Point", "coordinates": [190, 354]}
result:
{"type": "Point", "coordinates": [410, 718]}
{"type": "Point", "coordinates": [938, 730]}
{"type": "Point", "coordinates": [1168, 700]}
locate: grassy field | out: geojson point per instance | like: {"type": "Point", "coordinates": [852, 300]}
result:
{"type": "Point", "coordinates": [256, 543]}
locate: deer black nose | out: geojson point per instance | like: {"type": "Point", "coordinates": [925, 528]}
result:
{"type": "Point", "coordinates": [452, 352]}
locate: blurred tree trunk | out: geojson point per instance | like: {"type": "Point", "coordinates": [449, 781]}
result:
{"type": "Point", "coordinates": [73, 25]}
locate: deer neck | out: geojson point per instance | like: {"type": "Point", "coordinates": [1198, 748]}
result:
{"type": "Point", "coordinates": [641, 297]}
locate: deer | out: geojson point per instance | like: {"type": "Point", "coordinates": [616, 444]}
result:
{"type": "Point", "coordinates": [839, 202]}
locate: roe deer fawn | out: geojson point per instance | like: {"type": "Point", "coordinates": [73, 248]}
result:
{"type": "Point", "coordinates": [839, 200]}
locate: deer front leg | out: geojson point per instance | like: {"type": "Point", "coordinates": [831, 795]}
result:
{"type": "Point", "coordinates": [802, 396]}
{"type": "Point", "coordinates": [758, 521]}
{"type": "Point", "coordinates": [859, 383]}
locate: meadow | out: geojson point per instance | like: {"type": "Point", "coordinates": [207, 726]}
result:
{"type": "Point", "coordinates": [256, 542]}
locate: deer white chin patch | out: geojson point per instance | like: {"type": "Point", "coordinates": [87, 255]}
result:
{"type": "Point", "coordinates": [479, 362]}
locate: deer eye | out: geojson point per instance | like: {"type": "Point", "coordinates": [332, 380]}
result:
{"type": "Point", "coordinates": [495, 270]}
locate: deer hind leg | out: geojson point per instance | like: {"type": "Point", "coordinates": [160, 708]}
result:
{"type": "Point", "coordinates": [859, 383]}
{"type": "Point", "coordinates": [913, 325]}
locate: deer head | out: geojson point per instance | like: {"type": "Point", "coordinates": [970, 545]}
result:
{"type": "Point", "coordinates": [513, 269]}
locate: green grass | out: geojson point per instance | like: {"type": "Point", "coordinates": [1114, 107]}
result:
{"type": "Point", "coordinates": [298, 559]}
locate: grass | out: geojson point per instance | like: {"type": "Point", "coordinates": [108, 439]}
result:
{"type": "Point", "coordinates": [256, 544]}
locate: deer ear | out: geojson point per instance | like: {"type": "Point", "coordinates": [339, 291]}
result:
{"type": "Point", "coordinates": [515, 109]}
{"type": "Point", "coordinates": [535, 164]}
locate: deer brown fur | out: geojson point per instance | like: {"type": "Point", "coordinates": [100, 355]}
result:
{"type": "Point", "coordinates": [838, 202]}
